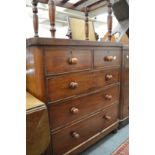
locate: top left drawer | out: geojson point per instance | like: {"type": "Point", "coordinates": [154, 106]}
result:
{"type": "Point", "coordinates": [66, 60]}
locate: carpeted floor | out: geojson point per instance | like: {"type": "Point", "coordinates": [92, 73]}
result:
{"type": "Point", "coordinates": [109, 144]}
{"type": "Point", "coordinates": [123, 149]}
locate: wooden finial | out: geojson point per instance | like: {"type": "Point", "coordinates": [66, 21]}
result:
{"type": "Point", "coordinates": [35, 18]}
{"type": "Point", "coordinates": [51, 4]}
{"type": "Point", "coordinates": [86, 24]}
{"type": "Point", "coordinates": [109, 20]}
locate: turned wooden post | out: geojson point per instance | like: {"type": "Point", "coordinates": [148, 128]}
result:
{"type": "Point", "coordinates": [109, 20]}
{"type": "Point", "coordinates": [86, 24]}
{"type": "Point", "coordinates": [35, 18]}
{"type": "Point", "coordinates": [51, 4]}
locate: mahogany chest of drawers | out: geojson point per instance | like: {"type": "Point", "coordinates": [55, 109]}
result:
{"type": "Point", "coordinates": [80, 83]}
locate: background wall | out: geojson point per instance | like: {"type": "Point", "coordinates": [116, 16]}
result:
{"type": "Point", "coordinates": [99, 18]}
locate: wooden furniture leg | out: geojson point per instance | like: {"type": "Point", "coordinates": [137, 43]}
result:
{"type": "Point", "coordinates": [35, 18]}
{"type": "Point", "coordinates": [109, 20]}
{"type": "Point", "coordinates": [86, 24]}
{"type": "Point", "coordinates": [52, 9]}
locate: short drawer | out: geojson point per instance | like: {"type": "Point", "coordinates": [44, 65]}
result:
{"type": "Point", "coordinates": [72, 136]}
{"type": "Point", "coordinates": [63, 113]}
{"type": "Point", "coordinates": [107, 57]}
{"type": "Point", "coordinates": [70, 85]}
{"type": "Point", "coordinates": [66, 60]}
{"type": "Point", "coordinates": [106, 77]}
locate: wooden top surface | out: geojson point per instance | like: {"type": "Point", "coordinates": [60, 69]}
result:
{"type": "Point", "coordinates": [68, 42]}
{"type": "Point", "coordinates": [32, 102]}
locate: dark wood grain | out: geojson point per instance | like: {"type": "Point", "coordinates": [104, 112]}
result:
{"type": "Point", "coordinates": [52, 11]}
{"type": "Point", "coordinates": [126, 93]}
{"type": "Point", "coordinates": [124, 104]}
{"type": "Point", "coordinates": [59, 87]}
{"type": "Point", "coordinates": [59, 60]}
{"type": "Point", "coordinates": [101, 57]}
{"type": "Point", "coordinates": [68, 42]}
{"type": "Point", "coordinates": [77, 85]}
{"type": "Point", "coordinates": [109, 20]}
{"type": "Point", "coordinates": [86, 105]}
{"type": "Point", "coordinates": [126, 67]}
{"type": "Point", "coordinates": [125, 110]}
{"type": "Point", "coordinates": [86, 24]}
{"type": "Point", "coordinates": [35, 18]}
{"type": "Point", "coordinates": [64, 140]}
{"type": "Point", "coordinates": [34, 73]}
{"type": "Point", "coordinates": [78, 149]}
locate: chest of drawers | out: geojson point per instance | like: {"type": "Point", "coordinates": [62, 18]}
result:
{"type": "Point", "coordinates": [80, 83]}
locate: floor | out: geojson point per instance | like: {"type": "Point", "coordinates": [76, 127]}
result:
{"type": "Point", "coordinates": [109, 144]}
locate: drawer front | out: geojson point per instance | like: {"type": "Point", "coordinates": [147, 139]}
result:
{"type": "Point", "coordinates": [59, 60]}
{"type": "Point", "coordinates": [69, 85]}
{"type": "Point", "coordinates": [70, 137]}
{"type": "Point", "coordinates": [107, 57]}
{"type": "Point", "coordinates": [106, 77]}
{"type": "Point", "coordinates": [66, 112]}
{"type": "Point", "coordinates": [75, 84]}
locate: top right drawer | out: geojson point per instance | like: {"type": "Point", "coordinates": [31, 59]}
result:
{"type": "Point", "coordinates": [107, 57]}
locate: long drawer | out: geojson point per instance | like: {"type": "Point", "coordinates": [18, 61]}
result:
{"type": "Point", "coordinates": [67, 60]}
{"type": "Point", "coordinates": [60, 87]}
{"type": "Point", "coordinates": [70, 137]}
{"type": "Point", "coordinates": [63, 113]}
{"type": "Point", "coordinates": [107, 57]}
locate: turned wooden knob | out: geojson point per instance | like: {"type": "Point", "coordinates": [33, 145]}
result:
{"type": "Point", "coordinates": [73, 60]}
{"type": "Point", "coordinates": [108, 97]}
{"type": "Point", "coordinates": [74, 110]}
{"type": "Point", "coordinates": [107, 117]}
{"type": "Point", "coordinates": [109, 77]}
{"type": "Point", "coordinates": [73, 85]}
{"type": "Point", "coordinates": [75, 135]}
{"type": "Point", "coordinates": [109, 58]}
